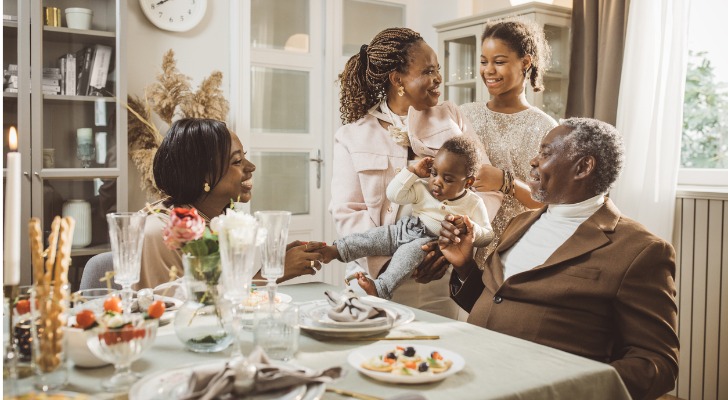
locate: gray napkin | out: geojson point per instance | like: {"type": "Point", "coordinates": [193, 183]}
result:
{"type": "Point", "coordinates": [347, 307]}
{"type": "Point", "coordinates": [215, 382]}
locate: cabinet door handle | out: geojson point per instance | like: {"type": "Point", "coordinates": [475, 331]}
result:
{"type": "Point", "coordinates": [318, 160]}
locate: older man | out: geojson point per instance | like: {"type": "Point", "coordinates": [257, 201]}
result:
{"type": "Point", "coordinates": [576, 275]}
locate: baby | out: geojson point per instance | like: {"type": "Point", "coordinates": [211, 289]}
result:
{"type": "Point", "coordinates": [445, 191]}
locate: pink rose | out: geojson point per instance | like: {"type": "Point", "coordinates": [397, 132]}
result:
{"type": "Point", "coordinates": [184, 226]}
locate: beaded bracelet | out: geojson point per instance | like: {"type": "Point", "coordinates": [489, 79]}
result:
{"type": "Point", "coordinates": [509, 184]}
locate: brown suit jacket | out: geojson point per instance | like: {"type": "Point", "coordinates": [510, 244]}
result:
{"type": "Point", "coordinates": [608, 293]}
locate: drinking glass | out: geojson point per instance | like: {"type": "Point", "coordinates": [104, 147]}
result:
{"type": "Point", "coordinates": [273, 250]}
{"type": "Point", "coordinates": [126, 234]}
{"type": "Point", "coordinates": [122, 346]}
{"type": "Point", "coordinates": [277, 331]}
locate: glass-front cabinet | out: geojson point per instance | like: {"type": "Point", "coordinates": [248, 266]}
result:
{"type": "Point", "coordinates": [62, 81]}
{"type": "Point", "coordinates": [459, 47]}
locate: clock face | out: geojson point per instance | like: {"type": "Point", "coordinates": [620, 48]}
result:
{"type": "Point", "coordinates": [174, 15]}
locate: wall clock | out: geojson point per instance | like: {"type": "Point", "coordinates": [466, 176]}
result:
{"type": "Point", "coordinates": [174, 15]}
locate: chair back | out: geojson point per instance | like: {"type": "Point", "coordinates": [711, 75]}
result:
{"type": "Point", "coordinates": [95, 269]}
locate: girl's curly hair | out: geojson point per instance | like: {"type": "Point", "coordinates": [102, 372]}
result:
{"type": "Point", "coordinates": [365, 78]}
{"type": "Point", "coordinates": [523, 37]}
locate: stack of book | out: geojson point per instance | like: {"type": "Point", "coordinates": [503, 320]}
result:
{"type": "Point", "coordinates": [51, 80]}
{"type": "Point", "coordinates": [85, 73]}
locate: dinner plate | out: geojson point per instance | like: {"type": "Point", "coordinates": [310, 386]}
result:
{"type": "Point", "coordinates": [260, 295]}
{"type": "Point", "coordinates": [318, 313]}
{"type": "Point", "coordinates": [400, 316]}
{"type": "Point", "coordinates": [362, 354]}
{"type": "Point", "coordinates": [97, 305]}
{"type": "Point", "coordinates": [171, 384]}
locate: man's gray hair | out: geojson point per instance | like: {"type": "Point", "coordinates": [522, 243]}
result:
{"type": "Point", "coordinates": [591, 137]}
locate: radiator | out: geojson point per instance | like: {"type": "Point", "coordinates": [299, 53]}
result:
{"type": "Point", "coordinates": [701, 242]}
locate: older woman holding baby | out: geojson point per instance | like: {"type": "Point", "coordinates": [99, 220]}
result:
{"type": "Point", "coordinates": [201, 164]}
{"type": "Point", "coordinates": [389, 104]}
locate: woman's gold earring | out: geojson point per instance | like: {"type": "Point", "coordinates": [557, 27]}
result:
{"type": "Point", "coordinates": [206, 188]}
{"type": "Point", "coordinates": [400, 91]}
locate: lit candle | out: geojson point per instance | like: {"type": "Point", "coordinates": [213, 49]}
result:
{"type": "Point", "coordinates": [11, 273]}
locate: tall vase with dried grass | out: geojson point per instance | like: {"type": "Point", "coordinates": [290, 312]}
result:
{"type": "Point", "coordinates": [170, 98]}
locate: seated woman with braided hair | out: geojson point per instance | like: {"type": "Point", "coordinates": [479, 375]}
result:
{"type": "Point", "coordinates": [201, 164]}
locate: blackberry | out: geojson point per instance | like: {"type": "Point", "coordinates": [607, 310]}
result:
{"type": "Point", "coordinates": [391, 356]}
{"type": "Point", "coordinates": [423, 367]}
{"type": "Point", "coordinates": [409, 352]}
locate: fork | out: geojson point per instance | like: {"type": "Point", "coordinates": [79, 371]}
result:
{"type": "Point", "coordinates": [355, 395]}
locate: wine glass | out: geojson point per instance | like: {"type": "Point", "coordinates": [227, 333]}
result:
{"type": "Point", "coordinates": [121, 346]}
{"type": "Point", "coordinates": [275, 224]}
{"type": "Point", "coordinates": [126, 234]}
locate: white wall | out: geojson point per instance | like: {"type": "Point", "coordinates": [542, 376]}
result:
{"type": "Point", "coordinates": [198, 52]}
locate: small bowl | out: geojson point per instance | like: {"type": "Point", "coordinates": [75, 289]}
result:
{"type": "Point", "coordinates": [78, 350]}
{"type": "Point", "coordinates": [78, 18]}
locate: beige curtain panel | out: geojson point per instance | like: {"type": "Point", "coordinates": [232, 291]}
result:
{"type": "Point", "coordinates": [597, 46]}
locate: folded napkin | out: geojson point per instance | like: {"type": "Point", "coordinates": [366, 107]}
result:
{"type": "Point", "coordinates": [347, 307]}
{"type": "Point", "coordinates": [232, 379]}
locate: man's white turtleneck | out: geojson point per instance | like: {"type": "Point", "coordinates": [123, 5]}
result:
{"type": "Point", "coordinates": [550, 231]}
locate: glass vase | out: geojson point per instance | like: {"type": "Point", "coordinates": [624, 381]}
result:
{"type": "Point", "coordinates": [49, 315]}
{"type": "Point", "coordinates": [198, 323]}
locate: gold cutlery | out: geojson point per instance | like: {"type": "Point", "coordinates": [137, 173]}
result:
{"type": "Point", "coordinates": [372, 339]}
{"type": "Point", "coordinates": [354, 395]}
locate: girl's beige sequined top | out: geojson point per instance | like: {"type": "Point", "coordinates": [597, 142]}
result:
{"type": "Point", "coordinates": [511, 141]}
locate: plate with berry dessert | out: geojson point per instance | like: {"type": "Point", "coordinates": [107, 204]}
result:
{"type": "Point", "coordinates": [406, 363]}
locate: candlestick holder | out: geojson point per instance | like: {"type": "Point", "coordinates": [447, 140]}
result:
{"type": "Point", "coordinates": [86, 152]}
{"type": "Point", "coordinates": [10, 349]}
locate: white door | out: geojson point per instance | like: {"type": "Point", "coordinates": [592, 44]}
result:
{"type": "Point", "coordinates": [280, 89]}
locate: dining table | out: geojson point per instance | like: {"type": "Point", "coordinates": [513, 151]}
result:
{"type": "Point", "coordinates": [496, 366]}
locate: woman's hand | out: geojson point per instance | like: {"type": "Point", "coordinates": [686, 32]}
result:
{"type": "Point", "coordinates": [488, 178]}
{"type": "Point", "coordinates": [455, 242]}
{"type": "Point", "coordinates": [302, 259]}
{"type": "Point", "coordinates": [422, 168]}
{"type": "Point", "coordinates": [433, 267]}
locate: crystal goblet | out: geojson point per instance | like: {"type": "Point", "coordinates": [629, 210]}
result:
{"type": "Point", "coordinates": [237, 236]}
{"type": "Point", "coordinates": [126, 234]}
{"type": "Point", "coordinates": [121, 346]}
{"type": "Point", "coordinates": [273, 250]}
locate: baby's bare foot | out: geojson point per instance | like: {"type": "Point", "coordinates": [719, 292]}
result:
{"type": "Point", "coordinates": [366, 284]}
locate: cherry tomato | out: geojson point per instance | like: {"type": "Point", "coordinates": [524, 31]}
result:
{"type": "Point", "coordinates": [85, 319]}
{"type": "Point", "coordinates": [113, 304]}
{"type": "Point", "coordinates": [23, 307]}
{"type": "Point", "coordinates": [156, 309]}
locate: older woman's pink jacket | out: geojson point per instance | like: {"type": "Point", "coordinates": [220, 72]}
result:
{"type": "Point", "coordinates": [366, 159]}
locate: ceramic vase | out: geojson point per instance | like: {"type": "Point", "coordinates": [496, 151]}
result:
{"type": "Point", "coordinates": [80, 211]}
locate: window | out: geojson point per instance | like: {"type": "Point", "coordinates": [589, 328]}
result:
{"type": "Point", "coordinates": [704, 152]}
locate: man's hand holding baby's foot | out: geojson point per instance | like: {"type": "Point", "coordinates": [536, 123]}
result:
{"type": "Point", "coordinates": [366, 284]}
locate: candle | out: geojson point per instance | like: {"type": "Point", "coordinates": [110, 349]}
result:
{"type": "Point", "coordinates": [11, 265]}
{"type": "Point", "coordinates": [84, 135]}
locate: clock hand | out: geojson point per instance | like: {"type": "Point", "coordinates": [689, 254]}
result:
{"type": "Point", "coordinates": [161, 2]}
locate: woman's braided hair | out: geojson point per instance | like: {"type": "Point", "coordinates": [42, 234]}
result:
{"type": "Point", "coordinates": [365, 78]}
{"type": "Point", "coordinates": [523, 37]}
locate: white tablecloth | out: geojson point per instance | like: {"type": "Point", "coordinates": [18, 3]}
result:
{"type": "Point", "coordinates": [496, 366]}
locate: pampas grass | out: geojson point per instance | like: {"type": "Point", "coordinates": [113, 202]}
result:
{"type": "Point", "coordinates": [170, 98]}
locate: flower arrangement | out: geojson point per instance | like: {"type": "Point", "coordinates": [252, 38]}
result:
{"type": "Point", "coordinates": [187, 232]}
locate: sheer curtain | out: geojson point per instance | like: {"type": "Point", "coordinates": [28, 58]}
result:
{"type": "Point", "coordinates": [649, 114]}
